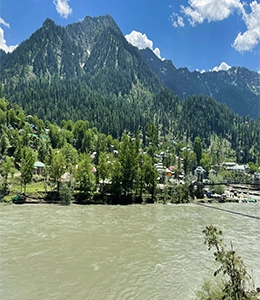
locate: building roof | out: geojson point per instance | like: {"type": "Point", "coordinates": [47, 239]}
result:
{"type": "Point", "coordinates": [38, 164]}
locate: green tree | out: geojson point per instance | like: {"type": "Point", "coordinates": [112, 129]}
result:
{"type": "Point", "coordinates": [189, 160]}
{"type": "Point", "coordinates": [105, 166]}
{"type": "Point", "coordinates": [197, 147]}
{"type": "Point", "coordinates": [55, 136]}
{"type": "Point", "coordinates": [88, 141]}
{"type": "Point", "coordinates": [43, 150]}
{"type": "Point", "coordinates": [149, 175]}
{"type": "Point", "coordinates": [181, 193]}
{"type": "Point", "coordinates": [206, 162]}
{"type": "Point", "coordinates": [27, 131]}
{"type": "Point", "coordinates": [116, 178]}
{"type": "Point", "coordinates": [85, 177]}
{"type": "Point", "coordinates": [218, 188]}
{"type": "Point", "coordinates": [253, 167]}
{"type": "Point", "coordinates": [70, 154]}
{"type": "Point", "coordinates": [153, 143]}
{"type": "Point", "coordinates": [79, 129]}
{"type": "Point", "coordinates": [65, 193]}
{"type": "Point", "coordinates": [6, 169]}
{"type": "Point", "coordinates": [127, 157]}
{"type": "Point", "coordinates": [58, 165]}
{"type": "Point", "coordinates": [231, 266]}
{"type": "Point", "coordinates": [4, 143]}
{"type": "Point", "coordinates": [3, 109]}
{"type": "Point", "coordinates": [27, 163]}
{"type": "Point", "coordinates": [153, 140]}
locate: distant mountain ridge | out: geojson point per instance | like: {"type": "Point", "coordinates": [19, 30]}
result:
{"type": "Point", "coordinates": [238, 88]}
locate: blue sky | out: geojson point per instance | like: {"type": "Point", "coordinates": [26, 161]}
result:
{"type": "Point", "coordinates": [197, 34]}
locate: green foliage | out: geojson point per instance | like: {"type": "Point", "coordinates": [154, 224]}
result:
{"type": "Point", "coordinates": [7, 169]}
{"type": "Point", "coordinates": [149, 174]}
{"type": "Point", "coordinates": [65, 193]}
{"type": "Point", "coordinates": [189, 160]}
{"type": "Point", "coordinates": [43, 150]}
{"type": "Point", "coordinates": [128, 163]}
{"type": "Point", "coordinates": [55, 136]}
{"type": "Point", "coordinates": [79, 129]}
{"type": "Point", "coordinates": [132, 167]}
{"type": "Point", "coordinates": [27, 163]}
{"type": "Point", "coordinates": [105, 166]}
{"type": "Point", "coordinates": [70, 155]}
{"type": "Point", "coordinates": [206, 162]}
{"type": "Point", "coordinates": [217, 178]}
{"type": "Point", "coordinates": [197, 147]}
{"type": "Point", "coordinates": [253, 167]}
{"type": "Point", "coordinates": [211, 290]}
{"type": "Point", "coordinates": [57, 165]}
{"type": "Point", "coordinates": [85, 177]}
{"type": "Point", "coordinates": [4, 143]}
{"type": "Point", "coordinates": [152, 139]}
{"type": "Point", "coordinates": [231, 267]}
{"type": "Point", "coordinates": [181, 193]}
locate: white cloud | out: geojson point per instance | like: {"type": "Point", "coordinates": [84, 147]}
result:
{"type": "Point", "coordinates": [199, 11]}
{"type": "Point", "coordinates": [250, 38]}
{"type": "Point", "coordinates": [223, 67]}
{"type": "Point", "coordinates": [141, 41]}
{"type": "Point", "coordinates": [157, 52]}
{"type": "Point", "coordinates": [3, 45]}
{"type": "Point", "coordinates": [214, 10]}
{"type": "Point", "coordinates": [177, 21]}
{"type": "Point", "coordinates": [63, 8]}
{"type": "Point", "coordinates": [2, 21]}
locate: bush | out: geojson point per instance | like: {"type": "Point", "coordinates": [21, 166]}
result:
{"type": "Point", "coordinates": [65, 194]}
{"type": "Point", "coordinates": [232, 269]}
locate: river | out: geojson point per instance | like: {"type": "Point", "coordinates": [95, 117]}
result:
{"type": "Point", "coordinates": [118, 252]}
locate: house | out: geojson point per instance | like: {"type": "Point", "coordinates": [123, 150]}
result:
{"type": "Point", "coordinates": [38, 168]}
{"type": "Point", "coordinates": [232, 166]}
{"type": "Point", "coordinates": [238, 168]}
{"type": "Point", "coordinates": [199, 172]}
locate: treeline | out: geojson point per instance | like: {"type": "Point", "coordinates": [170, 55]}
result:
{"type": "Point", "coordinates": [176, 119]}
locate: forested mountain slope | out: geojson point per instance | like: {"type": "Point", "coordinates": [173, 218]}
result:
{"type": "Point", "coordinates": [94, 50]}
{"type": "Point", "coordinates": [238, 88]}
{"type": "Point", "coordinates": [88, 71]}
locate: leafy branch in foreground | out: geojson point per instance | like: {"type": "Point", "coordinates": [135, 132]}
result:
{"type": "Point", "coordinates": [232, 267]}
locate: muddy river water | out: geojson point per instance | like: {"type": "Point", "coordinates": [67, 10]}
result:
{"type": "Point", "coordinates": [118, 252]}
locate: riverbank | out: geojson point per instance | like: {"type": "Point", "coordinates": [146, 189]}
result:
{"type": "Point", "coordinates": [98, 201]}
{"type": "Point", "coordinates": [34, 195]}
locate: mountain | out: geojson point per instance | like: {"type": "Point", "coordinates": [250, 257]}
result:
{"type": "Point", "coordinates": [238, 88]}
{"type": "Point", "coordinates": [88, 71]}
{"type": "Point", "coordinates": [94, 49]}
{"type": "Point", "coordinates": [3, 56]}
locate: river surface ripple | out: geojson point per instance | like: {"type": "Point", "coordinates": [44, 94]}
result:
{"type": "Point", "coordinates": [118, 252]}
